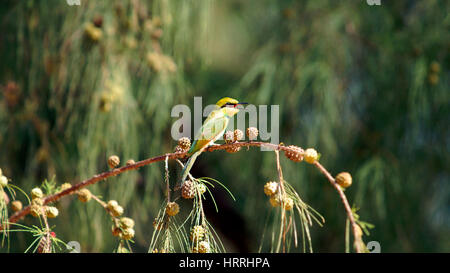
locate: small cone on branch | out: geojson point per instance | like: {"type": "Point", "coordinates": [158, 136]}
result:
{"type": "Point", "coordinates": [113, 161]}
{"type": "Point", "coordinates": [114, 208]}
{"type": "Point", "coordinates": [37, 202]}
{"type": "Point", "coordinates": [184, 143]}
{"type": "Point", "coordinates": [294, 153]}
{"type": "Point", "coordinates": [311, 155]}
{"type": "Point", "coordinates": [127, 234]}
{"type": "Point", "coordinates": [252, 133]}
{"type": "Point", "coordinates": [271, 188]}
{"type": "Point", "coordinates": [36, 193]}
{"type": "Point", "coordinates": [228, 137]}
{"type": "Point", "coordinates": [51, 212]}
{"type": "Point", "coordinates": [288, 203]}
{"type": "Point", "coordinates": [188, 190]}
{"type": "Point", "coordinates": [115, 231]}
{"type": "Point", "coordinates": [231, 137]}
{"type": "Point", "coordinates": [178, 149]}
{"type": "Point", "coordinates": [201, 188]}
{"type": "Point", "coordinates": [35, 210]}
{"type": "Point", "coordinates": [126, 222]}
{"type": "Point", "coordinates": [203, 247]}
{"type": "Point", "coordinates": [117, 211]}
{"type": "Point", "coordinates": [238, 135]}
{"type": "Point", "coordinates": [275, 201]}
{"type": "Point", "coordinates": [130, 162]}
{"type": "Point", "coordinates": [65, 186]}
{"type": "Point", "coordinates": [344, 179]}
{"type": "Point", "coordinates": [197, 234]}
{"type": "Point", "coordinates": [84, 195]}
{"type": "Point", "coordinates": [172, 209]}
{"type": "Point", "coordinates": [111, 204]}
{"type": "Point", "coordinates": [16, 205]}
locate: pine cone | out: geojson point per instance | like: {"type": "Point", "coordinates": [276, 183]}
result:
{"type": "Point", "coordinates": [275, 201]}
{"type": "Point", "coordinates": [228, 137]}
{"type": "Point", "coordinates": [127, 234]}
{"type": "Point", "coordinates": [252, 133]}
{"type": "Point", "coordinates": [201, 188]}
{"type": "Point", "coordinates": [294, 153]}
{"type": "Point", "coordinates": [113, 161]}
{"type": "Point", "coordinates": [35, 210]}
{"type": "Point", "coordinates": [172, 208]}
{"type": "Point", "coordinates": [130, 162]}
{"type": "Point", "coordinates": [65, 186]}
{"type": "Point", "coordinates": [270, 188]}
{"type": "Point", "coordinates": [238, 135]}
{"type": "Point", "coordinates": [203, 247]}
{"type": "Point", "coordinates": [115, 231]}
{"type": "Point", "coordinates": [197, 233]}
{"type": "Point", "coordinates": [184, 143]}
{"type": "Point", "coordinates": [51, 212]}
{"type": "Point", "coordinates": [126, 222]}
{"type": "Point", "coordinates": [288, 203]}
{"type": "Point", "coordinates": [36, 193]}
{"type": "Point", "coordinates": [16, 205]}
{"type": "Point", "coordinates": [311, 155]}
{"type": "Point", "coordinates": [178, 149]}
{"type": "Point", "coordinates": [344, 179]}
{"type": "Point", "coordinates": [84, 195]}
{"type": "Point", "coordinates": [187, 190]}
{"type": "Point", "coordinates": [117, 211]}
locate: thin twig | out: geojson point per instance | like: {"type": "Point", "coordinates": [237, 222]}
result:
{"type": "Point", "coordinates": [355, 227]}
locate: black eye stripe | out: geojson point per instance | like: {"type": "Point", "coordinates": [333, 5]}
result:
{"type": "Point", "coordinates": [228, 103]}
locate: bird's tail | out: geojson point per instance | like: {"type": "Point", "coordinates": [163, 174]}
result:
{"type": "Point", "coordinates": [188, 166]}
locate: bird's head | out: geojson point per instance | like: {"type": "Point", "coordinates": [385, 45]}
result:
{"type": "Point", "coordinates": [229, 106]}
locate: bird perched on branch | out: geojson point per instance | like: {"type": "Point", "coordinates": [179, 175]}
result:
{"type": "Point", "coordinates": [212, 129]}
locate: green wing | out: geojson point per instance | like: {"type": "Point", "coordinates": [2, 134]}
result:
{"type": "Point", "coordinates": [213, 126]}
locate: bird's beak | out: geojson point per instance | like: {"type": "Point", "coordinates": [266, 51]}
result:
{"type": "Point", "coordinates": [240, 103]}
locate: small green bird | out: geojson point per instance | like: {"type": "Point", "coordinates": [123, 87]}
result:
{"type": "Point", "coordinates": [212, 129]}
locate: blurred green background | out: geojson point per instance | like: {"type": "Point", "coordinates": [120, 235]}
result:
{"type": "Point", "coordinates": [367, 86]}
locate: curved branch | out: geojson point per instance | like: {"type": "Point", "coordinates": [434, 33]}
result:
{"type": "Point", "coordinates": [355, 228]}
{"type": "Point", "coordinates": [102, 176]}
